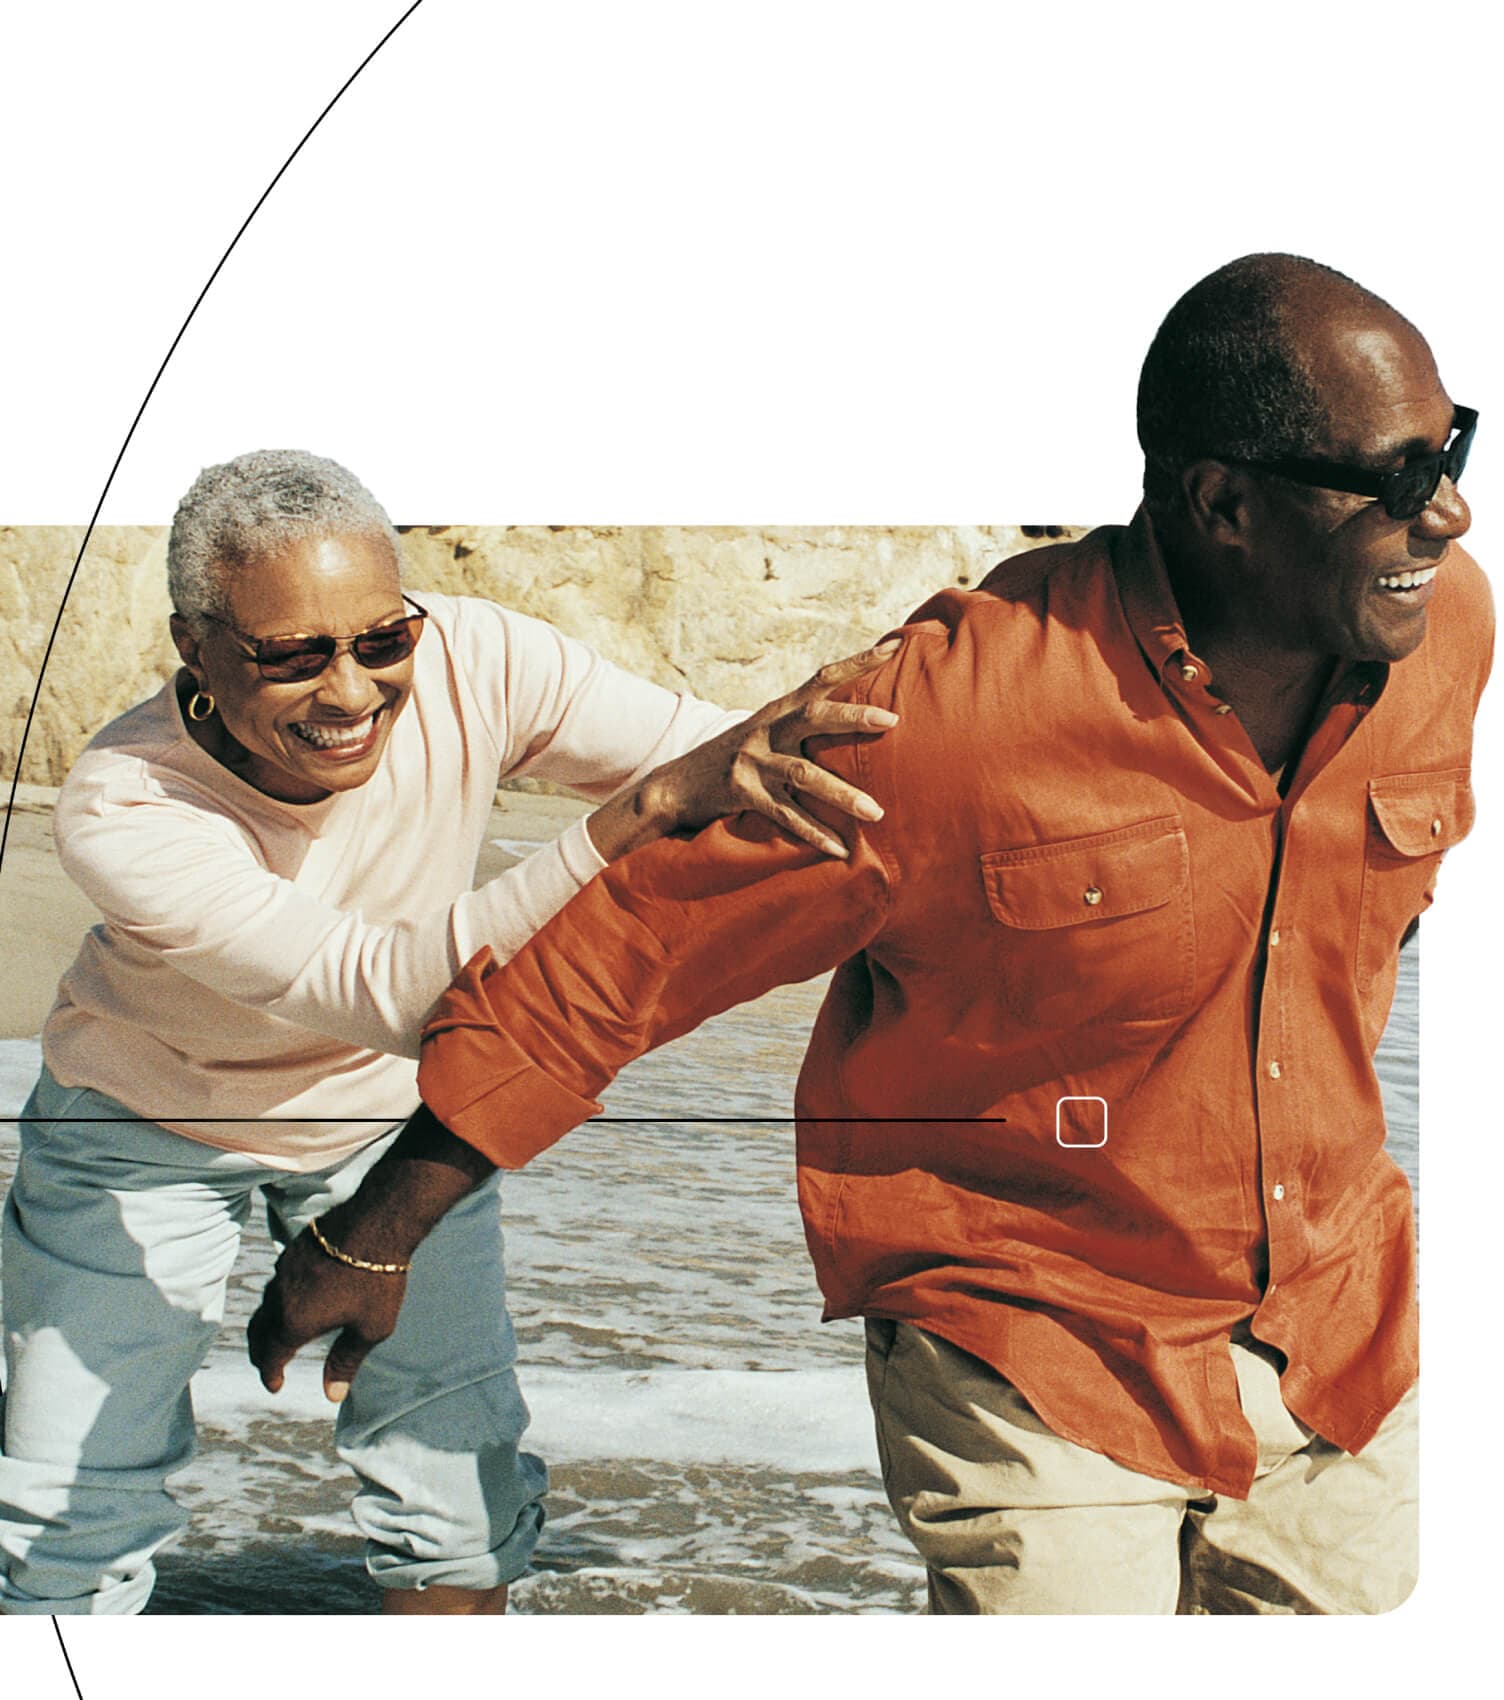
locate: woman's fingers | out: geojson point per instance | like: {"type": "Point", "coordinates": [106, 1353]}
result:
{"type": "Point", "coordinates": [821, 716]}
{"type": "Point", "coordinates": [781, 786]}
{"type": "Point", "coordinates": [800, 774]}
{"type": "Point", "coordinates": [761, 765]}
{"type": "Point", "coordinates": [829, 678]}
{"type": "Point", "coordinates": [776, 781]}
{"type": "Point", "coordinates": [808, 779]}
{"type": "Point", "coordinates": [835, 673]}
{"type": "Point", "coordinates": [794, 821]}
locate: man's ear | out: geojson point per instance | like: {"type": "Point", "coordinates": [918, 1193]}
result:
{"type": "Point", "coordinates": [1216, 502]}
{"type": "Point", "coordinates": [186, 645]}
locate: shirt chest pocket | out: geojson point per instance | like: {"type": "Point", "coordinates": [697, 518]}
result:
{"type": "Point", "coordinates": [1413, 820]}
{"type": "Point", "coordinates": [1095, 929]}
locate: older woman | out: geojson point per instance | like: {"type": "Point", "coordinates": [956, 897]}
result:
{"type": "Point", "coordinates": [282, 843]}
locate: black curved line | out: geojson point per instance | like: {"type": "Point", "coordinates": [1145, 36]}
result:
{"type": "Point", "coordinates": [94, 517]}
{"type": "Point", "coordinates": [182, 329]}
{"type": "Point", "coordinates": [57, 1630]}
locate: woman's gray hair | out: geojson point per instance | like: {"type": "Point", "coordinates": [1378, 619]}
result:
{"type": "Point", "coordinates": [255, 506]}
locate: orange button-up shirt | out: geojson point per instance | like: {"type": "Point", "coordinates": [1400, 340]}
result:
{"type": "Point", "coordinates": [1093, 1081]}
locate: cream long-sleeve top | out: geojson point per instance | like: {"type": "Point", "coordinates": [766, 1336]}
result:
{"type": "Point", "coordinates": [264, 968]}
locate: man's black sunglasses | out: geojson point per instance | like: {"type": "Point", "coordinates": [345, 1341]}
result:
{"type": "Point", "coordinates": [299, 655]}
{"type": "Point", "coordinates": [1405, 491]}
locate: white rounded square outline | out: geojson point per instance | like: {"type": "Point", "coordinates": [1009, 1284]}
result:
{"type": "Point", "coordinates": [1081, 1144]}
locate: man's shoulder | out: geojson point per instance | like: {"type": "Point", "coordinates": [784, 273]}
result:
{"type": "Point", "coordinates": [1027, 577]}
{"type": "Point", "coordinates": [1069, 588]}
{"type": "Point", "coordinates": [1050, 612]}
{"type": "Point", "coordinates": [1459, 639]}
{"type": "Point", "coordinates": [1463, 604]}
{"type": "Point", "coordinates": [1425, 716]}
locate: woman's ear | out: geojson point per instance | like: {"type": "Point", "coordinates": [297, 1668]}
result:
{"type": "Point", "coordinates": [187, 646]}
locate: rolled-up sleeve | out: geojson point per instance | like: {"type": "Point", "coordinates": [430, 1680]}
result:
{"type": "Point", "coordinates": [516, 1055]}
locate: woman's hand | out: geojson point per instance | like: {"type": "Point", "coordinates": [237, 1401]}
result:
{"type": "Point", "coordinates": [758, 764]}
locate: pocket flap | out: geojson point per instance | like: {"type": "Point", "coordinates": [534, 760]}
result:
{"type": "Point", "coordinates": [1419, 813]}
{"type": "Point", "coordinates": [1122, 872]}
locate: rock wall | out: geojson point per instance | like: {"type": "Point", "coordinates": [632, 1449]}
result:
{"type": "Point", "coordinates": [111, 646]}
{"type": "Point", "coordinates": [734, 614]}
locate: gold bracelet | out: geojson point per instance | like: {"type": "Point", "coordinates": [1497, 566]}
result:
{"type": "Point", "coordinates": [355, 1262]}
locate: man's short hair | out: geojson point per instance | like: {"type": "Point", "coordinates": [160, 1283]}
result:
{"type": "Point", "coordinates": [254, 506]}
{"type": "Point", "coordinates": [1223, 377]}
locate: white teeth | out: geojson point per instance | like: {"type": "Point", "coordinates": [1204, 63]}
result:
{"type": "Point", "coordinates": [334, 737]}
{"type": "Point", "coordinates": [1408, 580]}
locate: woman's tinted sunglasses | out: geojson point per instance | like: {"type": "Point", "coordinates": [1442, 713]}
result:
{"type": "Point", "coordinates": [1405, 491]}
{"type": "Point", "coordinates": [301, 656]}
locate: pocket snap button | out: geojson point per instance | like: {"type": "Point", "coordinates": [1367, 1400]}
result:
{"type": "Point", "coordinates": [1092, 894]}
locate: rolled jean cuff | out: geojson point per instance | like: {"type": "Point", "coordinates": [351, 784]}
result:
{"type": "Point", "coordinates": [505, 1562]}
{"type": "Point", "coordinates": [113, 1599]}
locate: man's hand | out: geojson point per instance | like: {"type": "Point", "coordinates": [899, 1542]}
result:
{"type": "Point", "coordinates": [424, 1171]}
{"type": "Point", "coordinates": [310, 1294]}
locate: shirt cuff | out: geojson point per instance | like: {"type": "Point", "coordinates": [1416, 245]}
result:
{"type": "Point", "coordinates": [482, 1086]}
{"type": "Point", "coordinates": [503, 914]}
{"type": "Point", "coordinates": [578, 852]}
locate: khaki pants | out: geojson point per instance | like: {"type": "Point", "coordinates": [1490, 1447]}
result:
{"type": "Point", "coordinates": [1008, 1517]}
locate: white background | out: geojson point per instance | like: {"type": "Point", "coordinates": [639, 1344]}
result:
{"type": "Point", "coordinates": [782, 263]}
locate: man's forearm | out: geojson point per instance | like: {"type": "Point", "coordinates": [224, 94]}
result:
{"type": "Point", "coordinates": [425, 1172]}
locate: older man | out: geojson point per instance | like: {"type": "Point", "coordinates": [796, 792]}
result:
{"type": "Point", "coordinates": [1090, 1132]}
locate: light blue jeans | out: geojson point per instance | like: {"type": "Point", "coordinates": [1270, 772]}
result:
{"type": "Point", "coordinates": [118, 1241]}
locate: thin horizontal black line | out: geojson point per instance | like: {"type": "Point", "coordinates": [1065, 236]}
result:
{"type": "Point", "coordinates": [593, 1121]}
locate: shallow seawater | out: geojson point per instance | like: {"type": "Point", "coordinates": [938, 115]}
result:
{"type": "Point", "coordinates": [709, 1441]}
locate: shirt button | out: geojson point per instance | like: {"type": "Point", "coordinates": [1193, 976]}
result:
{"type": "Point", "coordinates": [1279, 1191]}
{"type": "Point", "coordinates": [1274, 938]}
{"type": "Point", "coordinates": [1436, 827]}
{"type": "Point", "coordinates": [1190, 672]}
{"type": "Point", "coordinates": [1092, 894]}
{"type": "Point", "coordinates": [1223, 708]}
{"type": "Point", "coordinates": [1274, 1071]}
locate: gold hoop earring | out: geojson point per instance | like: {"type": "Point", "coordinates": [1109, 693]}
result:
{"type": "Point", "coordinates": [200, 705]}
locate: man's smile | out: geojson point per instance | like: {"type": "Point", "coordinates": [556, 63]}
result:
{"type": "Point", "coordinates": [1411, 588]}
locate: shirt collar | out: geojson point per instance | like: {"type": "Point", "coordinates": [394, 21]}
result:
{"type": "Point", "coordinates": [1148, 601]}
{"type": "Point", "coordinates": [1149, 604]}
